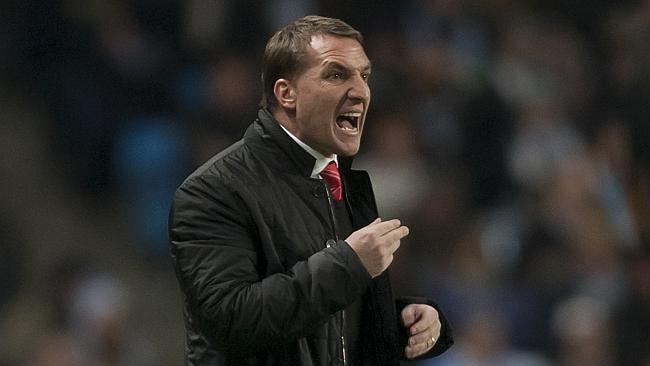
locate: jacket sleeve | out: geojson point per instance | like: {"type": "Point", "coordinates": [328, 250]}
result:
{"type": "Point", "coordinates": [219, 261]}
{"type": "Point", "coordinates": [446, 338]}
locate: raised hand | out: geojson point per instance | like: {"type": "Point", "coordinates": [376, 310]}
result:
{"type": "Point", "coordinates": [376, 243]}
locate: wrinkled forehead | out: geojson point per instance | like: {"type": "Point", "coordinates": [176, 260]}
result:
{"type": "Point", "coordinates": [330, 47]}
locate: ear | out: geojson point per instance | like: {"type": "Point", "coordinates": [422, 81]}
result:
{"type": "Point", "coordinates": [285, 93]}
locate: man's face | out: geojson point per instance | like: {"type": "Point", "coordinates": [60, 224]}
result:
{"type": "Point", "coordinates": [332, 95]}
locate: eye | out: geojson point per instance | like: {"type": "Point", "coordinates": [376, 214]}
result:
{"type": "Point", "coordinates": [365, 76]}
{"type": "Point", "coordinates": [337, 75]}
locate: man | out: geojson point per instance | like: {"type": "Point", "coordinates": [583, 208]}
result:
{"type": "Point", "coordinates": [276, 241]}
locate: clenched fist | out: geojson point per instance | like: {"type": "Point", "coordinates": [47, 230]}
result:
{"type": "Point", "coordinates": [376, 243]}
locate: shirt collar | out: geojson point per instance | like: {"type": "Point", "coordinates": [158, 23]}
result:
{"type": "Point", "coordinates": [321, 160]}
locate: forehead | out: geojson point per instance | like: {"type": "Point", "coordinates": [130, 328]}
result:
{"type": "Point", "coordinates": [326, 48]}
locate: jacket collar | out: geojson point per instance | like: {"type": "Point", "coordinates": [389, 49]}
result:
{"type": "Point", "coordinates": [269, 130]}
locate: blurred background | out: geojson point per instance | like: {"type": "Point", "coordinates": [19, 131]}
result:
{"type": "Point", "coordinates": [511, 136]}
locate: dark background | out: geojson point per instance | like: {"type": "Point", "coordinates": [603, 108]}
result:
{"type": "Point", "coordinates": [511, 136]}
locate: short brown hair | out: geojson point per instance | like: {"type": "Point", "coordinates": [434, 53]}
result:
{"type": "Point", "coordinates": [285, 51]}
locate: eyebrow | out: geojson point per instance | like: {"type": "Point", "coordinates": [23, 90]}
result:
{"type": "Point", "coordinates": [336, 64]}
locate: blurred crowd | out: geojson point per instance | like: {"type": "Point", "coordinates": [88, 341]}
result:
{"type": "Point", "coordinates": [510, 136]}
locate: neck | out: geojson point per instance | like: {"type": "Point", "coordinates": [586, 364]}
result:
{"type": "Point", "coordinates": [287, 121]}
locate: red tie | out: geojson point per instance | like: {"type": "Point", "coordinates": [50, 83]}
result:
{"type": "Point", "coordinates": [333, 177]}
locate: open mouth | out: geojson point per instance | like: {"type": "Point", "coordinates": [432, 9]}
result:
{"type": "Point", "coordinates": [349, 121]}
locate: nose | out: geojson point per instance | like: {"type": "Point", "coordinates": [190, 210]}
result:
{"type": "Point", "coordinates": [359, 89]}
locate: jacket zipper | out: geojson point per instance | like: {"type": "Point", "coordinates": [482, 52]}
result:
{"type": "Point", "coordinates": [336, 236]}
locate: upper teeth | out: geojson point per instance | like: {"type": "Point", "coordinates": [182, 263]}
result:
{"type": "Point", "coordinates": [351, 114]}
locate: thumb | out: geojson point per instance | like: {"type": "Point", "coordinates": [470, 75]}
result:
{"type": "Point", "coordinates": [409, 316]}
{"type": "Point", "coordinates": [377, 220]}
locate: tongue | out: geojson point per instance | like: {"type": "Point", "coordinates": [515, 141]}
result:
{"type": "Point", "coordinates": [344, 123]}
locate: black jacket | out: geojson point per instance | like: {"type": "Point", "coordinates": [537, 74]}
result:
{"type": "Point", "coordinates": [263, 274]}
